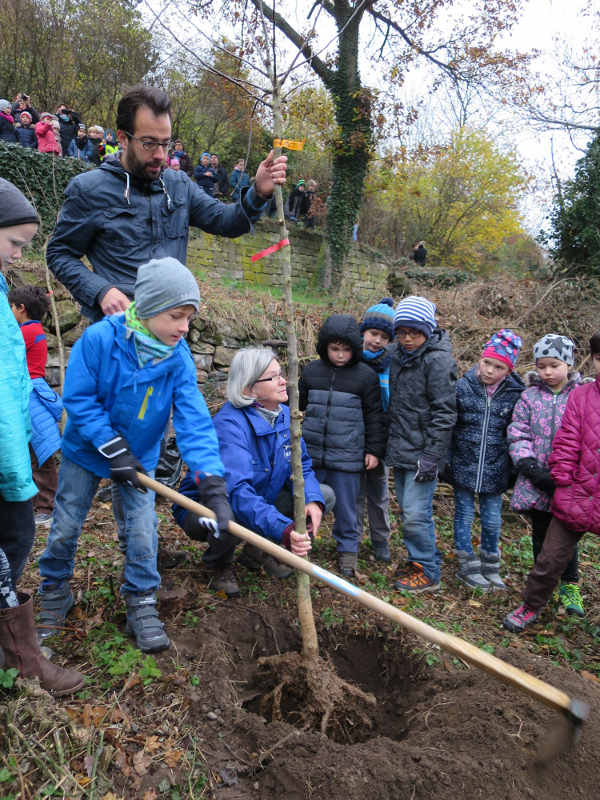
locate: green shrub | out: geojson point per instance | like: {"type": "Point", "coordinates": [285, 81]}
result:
{"type": "Point", "coordinates": [41, 177]}
{"type": "Point", "coordinates": [440, 277]}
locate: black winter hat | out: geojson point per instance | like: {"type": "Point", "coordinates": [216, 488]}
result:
{"type": "Point", "coordinates": [15, 208]}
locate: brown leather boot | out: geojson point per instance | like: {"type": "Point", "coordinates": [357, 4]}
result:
{"type": "Point", "coordinates": [21, 650]}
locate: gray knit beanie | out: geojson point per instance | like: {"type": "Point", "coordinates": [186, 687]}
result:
{"type": "Point", "coordinates": [15, 208]}
{"type": "Point", "coordinates": [554, 345]}
{"type": "Point", "coordinates": [164, 283]}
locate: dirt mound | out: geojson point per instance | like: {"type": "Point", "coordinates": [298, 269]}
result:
{"type": "Point", "coordinates": [448, 733]}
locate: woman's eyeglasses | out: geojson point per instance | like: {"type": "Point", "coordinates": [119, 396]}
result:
{"type": "Point", "coordinates": [278, 377]}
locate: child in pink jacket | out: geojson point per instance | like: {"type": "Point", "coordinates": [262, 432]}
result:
{"type": "Point", "coordinates": [46, 138]}
{"type": "Point", "coordinates": [574, 466]}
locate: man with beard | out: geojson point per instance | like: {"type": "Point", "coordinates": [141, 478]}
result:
{"type": "Point", "coordinates": [130, 211]}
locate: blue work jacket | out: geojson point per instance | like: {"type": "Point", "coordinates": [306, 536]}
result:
{"type": "Point", "coordinates": [257, 459]}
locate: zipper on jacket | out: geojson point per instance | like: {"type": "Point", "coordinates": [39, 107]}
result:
{"type": "Point", "coordinates": [553, 426]}
{"type": "Point", "coordinates": [331, 382]}
{"type": "Point", "coordinates": [483, 446]}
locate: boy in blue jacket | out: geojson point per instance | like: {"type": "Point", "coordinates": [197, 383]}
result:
{"type": "Point", "coordinates": [124, 375]}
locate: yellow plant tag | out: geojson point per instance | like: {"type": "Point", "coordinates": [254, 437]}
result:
{"type": "Point", "coordinates": [289, 144]}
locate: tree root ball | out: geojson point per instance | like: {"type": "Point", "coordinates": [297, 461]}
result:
{"type": "Point", "coordinates": [309, 694]}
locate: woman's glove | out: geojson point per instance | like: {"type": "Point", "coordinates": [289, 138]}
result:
{"type": "Point", "coordinates": [212, 492]}
{"type": "Point", "coordinates": [123, 464]}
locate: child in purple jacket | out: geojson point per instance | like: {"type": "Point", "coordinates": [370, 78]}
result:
{"type": "Point", "coordinates": [536, 418]}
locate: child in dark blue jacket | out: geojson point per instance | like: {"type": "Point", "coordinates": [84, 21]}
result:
{"type": "Point", "coordinates": [124, 375]}
{"type": "Point", "coordinates": [480, 462]}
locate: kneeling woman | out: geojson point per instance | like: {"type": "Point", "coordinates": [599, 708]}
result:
{"type": "Point", "coordinates": [253, 428]}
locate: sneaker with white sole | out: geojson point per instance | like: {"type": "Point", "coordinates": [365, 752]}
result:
{"type": "Point", "coordinates": [43, 520]}
{"type": "Point", "coordinates": [520, 618]}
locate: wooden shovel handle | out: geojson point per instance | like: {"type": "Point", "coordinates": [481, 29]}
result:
{"type": "Point", "coordinates": [533, 686]}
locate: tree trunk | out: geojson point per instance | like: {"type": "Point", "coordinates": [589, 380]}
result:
{"type": "Point", "coordinates": [310, 645]}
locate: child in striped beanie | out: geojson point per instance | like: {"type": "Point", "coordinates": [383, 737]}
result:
{"type": "Point", "coordinates": [377, 328]}
{"type": "Point", "coordinates": [421, 413]}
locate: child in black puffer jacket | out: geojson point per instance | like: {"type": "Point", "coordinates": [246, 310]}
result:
{"type": "Point", "coordinates": [344, 426]}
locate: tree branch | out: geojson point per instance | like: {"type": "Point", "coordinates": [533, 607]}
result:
{"type": "Point", "coordinates": [319, 66]}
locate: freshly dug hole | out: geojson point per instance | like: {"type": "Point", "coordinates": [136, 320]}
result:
{"type": "Point", "coordinates": [360, 690]}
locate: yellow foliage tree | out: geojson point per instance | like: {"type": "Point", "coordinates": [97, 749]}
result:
{"type": "Point", "coordinates": [460, 198]}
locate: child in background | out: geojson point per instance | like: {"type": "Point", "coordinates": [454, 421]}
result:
{"type": "Point", "coordinates": [479, 462]}
{"type": "Point", "coordinates": [29, 305]}
{"type": "Point", "coordinates": [421, 415]}
{"type": "Point", "coordinates": [18, 225]}
{"type": "Point", "coordinates": [344, 426]}
{"type": "Point", "coordinates": [238, 179]}
{"type": "Point", "coordinates": [48, 141]}
{"type": "Point", "coordinates": [574, 467]}
{"type": "Point", "coordinates": [124, 375]}
{"type": "Point", "coordinates": [536, 419]}
{"type": "Point", "coordinates": [25, 132]}
{"type": "Point", "coordinates": [377, 328]}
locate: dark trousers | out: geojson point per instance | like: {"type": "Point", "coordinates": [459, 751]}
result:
{"type": "Point", "coordinates": [17, 532]}
{"type": "Point", "coordinates": [558, 549]}
{"type": "Point", "coordinates": [46, 480]}
{"type": "Point", "coordinates": [540, 520]}
{"type": "Point", "coordinates": [220, 551]}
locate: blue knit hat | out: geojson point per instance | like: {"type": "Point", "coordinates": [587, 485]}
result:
{"type": "Point", "coordinates": [380, 316]}
{"type": "Point", "coordinates": [503, 346]}
{"type": "Point", "coordinates": [417, 313]}
{"type": "Point", "coordinates": [164, 283]}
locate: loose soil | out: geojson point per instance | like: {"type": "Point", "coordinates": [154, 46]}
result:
{"type": "Point", "coordinates": [446, 731]}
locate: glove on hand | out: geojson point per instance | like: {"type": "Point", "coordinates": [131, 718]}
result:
{"type": "Point", "coordinates": [123, 464]}
{"type": "Point", "coordinates": [426, 470]}
{"type": "Point", "coordinates": [212, 492]}
{"type": "Point", "coordinates": [539, 476]}
{"type": "Point", "coordinates": [200, 529]}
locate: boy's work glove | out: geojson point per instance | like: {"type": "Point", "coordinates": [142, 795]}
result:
{"type": "Point", "coordinates": [212, 492]}
{"type": "Point", "coordinates": [539, 476]}
{"type": "Point", "coordinates": [201, 529]}
{"type": "Point", "coordinates": [427, 470]}
{"type": "Point", "coordinates": [123, 464]}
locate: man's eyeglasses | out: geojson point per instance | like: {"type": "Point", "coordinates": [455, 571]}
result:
{"type": "Point", "coordinates": [150, 144]}
{"type": "Point", "coordinates": [279, 377]}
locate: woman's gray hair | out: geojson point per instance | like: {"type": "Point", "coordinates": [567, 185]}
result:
{"type": "Point", "coordinates": [246, 368]}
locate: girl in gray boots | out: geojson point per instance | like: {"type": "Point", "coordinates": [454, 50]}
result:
{"type": "Point", "coordinates": [480, 463]}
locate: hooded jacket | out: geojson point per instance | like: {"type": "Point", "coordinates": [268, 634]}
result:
{"type": "Point", "coordinates": [120, 223]}
{"type": "Point", "coordinates": [16, 482]}
{"type": "Point", "coordinates": [257, 459]}
{"type": "Point", "coordinates": [7, 128]}
{"type": "Point", "coordinates": [343, 418]}
{"type": "Point", "coordinates": [422, 409]}
{"type": "Point", "coordinates": [26, 137]}
{"type": "Point", "coordinates": [535, 420]}
{"type": "Point", "coordinates": [80, 148]}
{"type": "Point", "coordinates": [479, 458]}
{"type": "Point", "coordinates": [108, 394]}
{"type": "Point", "coordinates": [46, 138]}
{"type": "Point", "coordinates": [575, 461]}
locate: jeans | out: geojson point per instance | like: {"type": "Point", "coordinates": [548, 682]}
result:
{"type": "Point", "coordinates": [17, 532]}
{"type": "Point", "coordinates": [540, 520]}
{"type": "Point", "coordinates": [558, 549]}
{"type": "Point", "coordinates": [374, 486]}
{"type": "Point", "coordinates": [76, 489]}
{"type": "Point", "coordinates": [490, 507]}
{"type": "Point", "coordinates": [346, 486]}
{"type": "Point", "coordinates": [418, 531]}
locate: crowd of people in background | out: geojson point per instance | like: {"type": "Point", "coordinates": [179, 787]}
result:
{"type": "Point", "coordinates": [64, 134]}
